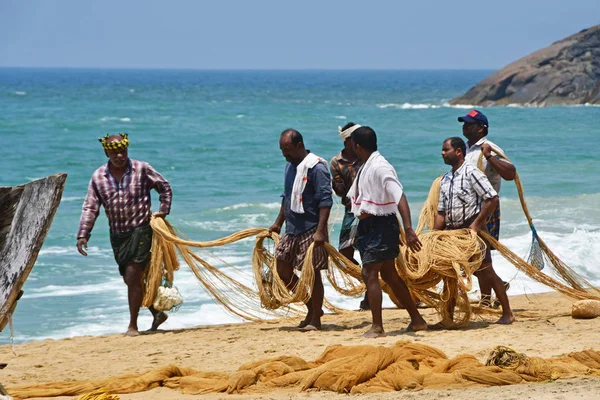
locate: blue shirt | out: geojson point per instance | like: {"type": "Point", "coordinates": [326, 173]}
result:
{"type": "Point", "coordinates": [317, 194]}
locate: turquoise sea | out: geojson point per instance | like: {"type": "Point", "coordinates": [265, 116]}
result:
{"type": "Point", "coordinates": [214, 135]}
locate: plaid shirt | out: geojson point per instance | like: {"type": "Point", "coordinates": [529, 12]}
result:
{"type": "Point", "coordinates": [343, 173]}
{"type": "Point", "coordinates": [126, 203]}
{"type": "Point", "coordinates": [463, 193]}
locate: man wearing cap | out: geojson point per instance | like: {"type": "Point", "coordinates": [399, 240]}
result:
{"type": "Point", "coordinates": [343, 169]}
{"type": "Point", "coordinates": [475, 129]}
{"type": "Point", "coordinates": [122, 186]}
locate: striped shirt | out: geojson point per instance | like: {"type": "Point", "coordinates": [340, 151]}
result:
{"type": "Point", "coordinates": [463, 193]}
{"type": "Point", "coordinates": [127, 203]}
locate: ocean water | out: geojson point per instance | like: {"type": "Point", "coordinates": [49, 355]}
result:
{"type": "Point", "coordinates": [214, 135]}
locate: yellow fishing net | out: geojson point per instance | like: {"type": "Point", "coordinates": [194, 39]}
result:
{"type": "Point", "coordinates": [448, 257]}
{"type": "Point", "coordinates": [344, 369]}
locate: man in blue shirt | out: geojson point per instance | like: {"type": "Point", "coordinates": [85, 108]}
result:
{"type": "Point", "coordinates": [305, 208]}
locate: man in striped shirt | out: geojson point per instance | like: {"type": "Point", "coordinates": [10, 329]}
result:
{"type": "Point", "coordinates": [122, 186]}
{"type": "Point", "coordinates": [467, 199]}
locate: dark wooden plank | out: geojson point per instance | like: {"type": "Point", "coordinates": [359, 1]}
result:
{"type": "Point", "coordinates": [32, 206]}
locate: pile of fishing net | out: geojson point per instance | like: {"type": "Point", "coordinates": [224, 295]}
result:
{"type": "Point", "coordinates": [344, 369]}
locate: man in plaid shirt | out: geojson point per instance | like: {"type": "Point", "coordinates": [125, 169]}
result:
{"type": "Point", "coordinates": [122, 186]}
{"type": "Point", "coordinates": [467, 199]}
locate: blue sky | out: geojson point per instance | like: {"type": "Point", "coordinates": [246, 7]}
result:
{"type": "Point", "coordinates": [265, 34]}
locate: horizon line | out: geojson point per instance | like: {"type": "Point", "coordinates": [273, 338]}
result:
{"type": "Point", "coordinates": [243, 69]}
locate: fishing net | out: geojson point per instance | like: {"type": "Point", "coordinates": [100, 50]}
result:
{"type": "Point", "coordinates": [438, 274]}
{"type": "Point", "coordinates": [344, 369]}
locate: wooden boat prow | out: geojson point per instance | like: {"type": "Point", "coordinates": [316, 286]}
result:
{"type": "Point", "coordinates": [26, 213]}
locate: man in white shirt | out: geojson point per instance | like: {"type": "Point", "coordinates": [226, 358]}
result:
{"type": "Point", "coordinates": [475, 129]}
{"type": "Point", "coordinates": [377, 197]}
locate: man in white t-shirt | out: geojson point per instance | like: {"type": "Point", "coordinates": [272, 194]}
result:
{"type": "Point", "coordinates": [475, 129]}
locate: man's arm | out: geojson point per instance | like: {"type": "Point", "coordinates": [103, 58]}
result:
{"type": "Point", "coordinates": [484, 189]}
{"type": "Point", "coordinates": [89, 213]}
{"type": "Point", "coordinates": [163, 187]}
{"type": "Point", "coordinates": [439, 223]}
{"type": "Point", "coordinates": [504, 168]}
{"type": "Point", "coordinates": [276, 227]}
{"type": "Point", "coordinates": [321, 181]}
{"type": "Point", "coordinates": [486, 210]}
{"type": "Point", "coordinates": [412, 241]}
{"type": "Point", "coordinates": [320, 235]}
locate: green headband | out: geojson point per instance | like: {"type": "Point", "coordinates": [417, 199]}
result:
{"type": "Point", "coordinates": [115, 144]}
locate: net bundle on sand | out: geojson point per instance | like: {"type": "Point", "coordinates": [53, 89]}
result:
{"type": "Point", "coordinates": [344, 369]}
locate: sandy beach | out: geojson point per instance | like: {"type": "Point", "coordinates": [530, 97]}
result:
{"type": "Point", "coordinates": [547, 330]}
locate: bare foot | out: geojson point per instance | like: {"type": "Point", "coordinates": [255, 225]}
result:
{"type": "Point", "coordinates": [506, 320]}
{"type": "Point", "coordinates": [158, 320]}
{"type": "Point", "coordinates": [132, 332]}
{"type": "Point", "coordinates": [421, 326]}
{"type": "Point", "coordinates": [308, 319]}
{"type": "Point", "coordinates": [374, 332]}
{"type": "Point", "coordinates": [440, 326]}
{"type": "Point", "coordinates": [309, 328]}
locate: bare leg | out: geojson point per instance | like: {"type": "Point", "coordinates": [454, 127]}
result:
{"type": "Point", "coordinates": [391, 277]}
{"type": "Point", "coordinates": [370, 274]}
{"type": "Point", "coordinates": [287, 275]}
{"type": "Point", "coordinates": [486, 273]}
{"type": "Point", "coordinates": [133, 279]}
{"type": "Point", "coordinates": [316, 300]}
{"type": "Point", "coordinates": [486, 293]}
{"type": "Point", "coordinates": [348, 252]}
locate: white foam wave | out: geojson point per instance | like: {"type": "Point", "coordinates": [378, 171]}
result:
{"type": "Point", "coordinates": [408, 106]}
{"type": "Point", "coordinates": [340, 117]}
{"type": "Point", "coordinates": [268, 206]}
{"type": "Point", "coordinates": [240, 116]}
{"type": "Point", "coordinates": [20, 93]}
{"type": "Point", "coordinates": [465, 106]}
{"type": "Point", "coordinates": [71, 198]}
{"type": "Point", "coordinates": [61, 291]}
{"type": "Point", "coordinates": [61, 250]}
{"type": "Point", "coordinates": [121, 119]}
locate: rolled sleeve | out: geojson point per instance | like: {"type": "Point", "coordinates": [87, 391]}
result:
{"type": "Point", "coordinates": [162, 186]}
{"type": "Point", "coordinates": [482, 185]}
{"type": "Point", "coordinates": [322, 183]}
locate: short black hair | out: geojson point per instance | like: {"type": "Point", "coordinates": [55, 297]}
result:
{"type": "Point", "coordinates": [294, 134]}
{"type": "Point", "coordinates": [457, 143]}
{"type": "Point", "coordinates": [348, 125]}
{"type": "Point", "coordinates": [366, 138]}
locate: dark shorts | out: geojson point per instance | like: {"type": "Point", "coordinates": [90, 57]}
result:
{"type": "Point", "coordinates": [348, 230]}
{"type": "Point", "coordinates": [132, 247]}
{"type": "Point", "coordinates": [292, 249]}
{"type": "Point", "coordinates": [378, 239]}
{"type": "Point", "coordinates": [493, 225]}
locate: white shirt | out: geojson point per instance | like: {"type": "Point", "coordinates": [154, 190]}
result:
{"type": "Point", "coordinates": [472, 157]}
{"type": "Point", "coordinates": [463, 193]}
